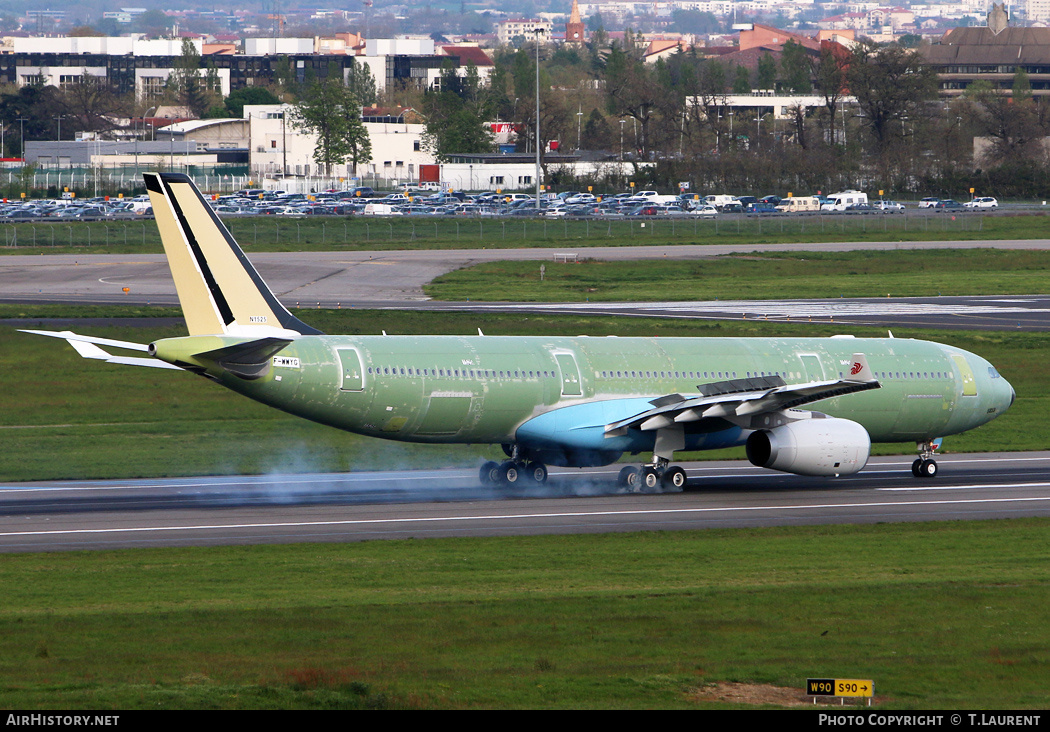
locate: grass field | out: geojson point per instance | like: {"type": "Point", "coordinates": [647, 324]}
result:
{"type": "Point", "coordinates": [279, 233]}
{"type": "Point", "coordinates": [942, 616]}
{"type": "Point", "coordinates": [755, 276]}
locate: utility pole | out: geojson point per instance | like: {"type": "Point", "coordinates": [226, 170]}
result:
{"type": "Point", "coordinates": [537, 35]}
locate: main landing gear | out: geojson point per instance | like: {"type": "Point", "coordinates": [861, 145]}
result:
{"type": "Point", "coordinates": [650, 477]}
{"type": "Point", "coordinates": [925, 466]}
{"type": "Point", "coordinates": [513, 472]}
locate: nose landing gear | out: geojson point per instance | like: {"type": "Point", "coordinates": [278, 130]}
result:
{"type": "Point", "coordinates": [925, 466]}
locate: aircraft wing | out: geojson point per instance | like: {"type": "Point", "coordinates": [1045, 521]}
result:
{"type": "Point", "coordinates": [744, 398]}
{"type": "Point", "coordinates": [88, 347]}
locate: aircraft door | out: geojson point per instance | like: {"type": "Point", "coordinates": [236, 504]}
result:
{"type": "Point", "coordinates": [353, 378]}
{"type": "Point", "coordinates": [811, 364]}
{"type": "Point", "coordinates": [570, 375]}
{"type": "Point", "coordinates": [969, 384]}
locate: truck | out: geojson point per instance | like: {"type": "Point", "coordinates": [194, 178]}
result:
{"type": "Point", "coordinates": [843, 200]}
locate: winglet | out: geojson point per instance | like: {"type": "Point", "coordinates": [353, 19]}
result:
{"type": "Point", "coordinates": [860, 371]}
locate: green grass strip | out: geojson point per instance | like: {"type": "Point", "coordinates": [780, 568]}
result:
{"type": "Point", "coordinates": [950, 615]}
{"type": "Point", "coordinates": [756, 276]}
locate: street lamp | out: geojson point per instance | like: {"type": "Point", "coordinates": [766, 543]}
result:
{"type": "Point", "coordinates": [539, 31]}
{"type": "Point", "coordinates": [579, 126]}
{"type": "Point", "coordinates": [22, 141]}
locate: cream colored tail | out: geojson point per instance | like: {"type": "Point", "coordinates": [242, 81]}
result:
{"type": "Point", "coordinates": [220, 291]}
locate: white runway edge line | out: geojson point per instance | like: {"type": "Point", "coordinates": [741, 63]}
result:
{"type": "Point", "coordinates": [520, 516]}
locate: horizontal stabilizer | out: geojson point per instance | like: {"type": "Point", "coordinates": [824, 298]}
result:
{"type": "Point", "coordinates": [88, 347]}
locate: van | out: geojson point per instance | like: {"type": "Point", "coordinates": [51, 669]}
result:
{"type": "Point", "coordinates": [799, 204]}
{"type": "Point", "coordinates": [720, 201]}
{"type": "Point", "coordinates": [379, 209]}
{"type": "Point", "coordinates": [845, 199]}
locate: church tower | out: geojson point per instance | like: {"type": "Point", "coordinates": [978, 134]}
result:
{"type": "Point", "coordinates": [574, 29]}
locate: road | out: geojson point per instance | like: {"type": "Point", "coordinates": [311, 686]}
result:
{"type": "Point", "coordinates": [63, 516]}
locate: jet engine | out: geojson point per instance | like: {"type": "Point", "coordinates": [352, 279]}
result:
{"type": "Point", "coordinates": [818, 446]}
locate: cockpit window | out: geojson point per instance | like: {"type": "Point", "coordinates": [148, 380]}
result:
{"type": "Point", "coordinates": [993, 373]}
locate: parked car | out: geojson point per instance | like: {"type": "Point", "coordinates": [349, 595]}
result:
{"type": "Point", "coordinates": [930, 202]}
{"type": "Point", "coordinates": [982, 202]}
{"type": "Point", "coordinates": [760, 207]}
{"type": "Point", "coordinates": [705, 210]}
{"type": "Point", "coordinates": [860, 207]}
{"type": "Point", "coordinates": [889, 206]}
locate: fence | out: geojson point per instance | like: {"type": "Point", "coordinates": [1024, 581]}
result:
{"type": "Point", "coordinates": [333, 232]}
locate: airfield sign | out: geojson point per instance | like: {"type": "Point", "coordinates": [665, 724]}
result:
{"type": "Point", "coordinates": [840, 687]}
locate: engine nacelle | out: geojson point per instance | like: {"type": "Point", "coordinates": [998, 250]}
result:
{"type": "Point", "coordinates": [829, 446]}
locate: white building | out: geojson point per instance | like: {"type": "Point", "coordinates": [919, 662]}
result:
{"type": "Point", "coordinates": [276, 145]}
{"type": "Point", "coordinates": [527, 28]}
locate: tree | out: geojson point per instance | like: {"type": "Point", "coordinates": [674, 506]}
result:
{"type": "Point", "coordinates": [890, 83]}
{"type": "Point", "coordinates": [796, 69]}
{"type": "Point", "coordinates": [248, 95]}
{"type": "Point", "coordinates": [456, 114]}
{"type": "Point", "coordinates": [631, 88]}
{"type": "Point", "coordinates": [741, 80]}
{"type": "Point", "coordinates": [1012, 121]}
{"type": "Point", "coordinates": [186, 87]}
{"type": "Point", "coordinates": [91, 105]}
{"type": "Point", "coordinates": [361, 83]}
{"type": "Point", "coordinates": [830, 79]}
{"type": "Point", "coordinates": [767, 71]}
{"type": "Point", "coordinates": [329, 110]}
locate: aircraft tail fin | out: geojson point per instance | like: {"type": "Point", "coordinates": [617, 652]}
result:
{"type": "Point", "coordinates": [221, 293]}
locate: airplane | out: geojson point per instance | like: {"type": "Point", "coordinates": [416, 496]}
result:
{"type": "Point", "coordinates": [557, 401]}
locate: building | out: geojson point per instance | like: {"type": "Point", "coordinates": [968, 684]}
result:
{"type": "Point", "coordinates": [527, 29]}
{"type": "Point", "coordinates": [278, 149]}
{"type": "Point", "coordinates": [993, 53]}
{"type": "Point", "coordinates": [575, 31]}
{"type": "Point", "coordinates": [143, 67]}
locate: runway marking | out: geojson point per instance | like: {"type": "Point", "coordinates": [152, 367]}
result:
{"type": "Point", "coordinates": [520, 516]}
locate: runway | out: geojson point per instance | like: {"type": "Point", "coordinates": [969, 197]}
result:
{"type": "Point", "coordinates": [209, 511]}
{"type": "Point", "coordinates": [394, 279]}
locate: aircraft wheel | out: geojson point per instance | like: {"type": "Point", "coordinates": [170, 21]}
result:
{"type": "Point", "coordinates": [509, 473]}
{"type": "Point", "coordinates": [928, 469]}
{"type": "Point", "coordinates": [489, 473]}
{"type": "Point", "coordinates": [674, 478]}
{"type": "Point", "coordinates": [650, 478]}
{"type": "Point", "coordinates": [630, 478]}
{"type": "Point", "coordinates": [537, 472]}
{"type": "Point", "coordinates": [915, 467]}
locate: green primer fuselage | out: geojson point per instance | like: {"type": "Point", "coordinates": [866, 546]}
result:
{"type": "Point", "coordinates": [481, 389]}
